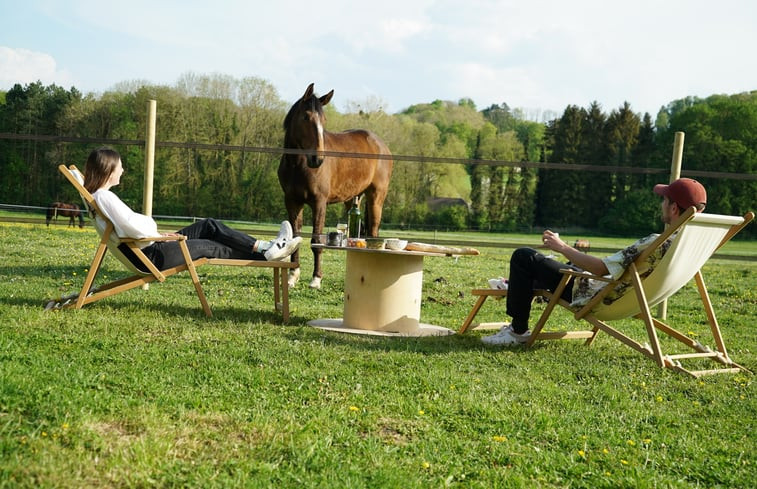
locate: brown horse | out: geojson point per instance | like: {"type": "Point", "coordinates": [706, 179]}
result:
{"type": "Point", "coordinates": [318, 179]}
{"type": "Point", "coordinates": [70, 211]}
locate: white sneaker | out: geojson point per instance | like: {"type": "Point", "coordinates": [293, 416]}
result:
{"type": "Point", "coordinates": [285, 231]}
{"type": "Point", "coordinates": [498, 283]}
{"type": "Point", "coordinates": [282, 248]}
{"type": "Point", "coordinates": [506, 336]}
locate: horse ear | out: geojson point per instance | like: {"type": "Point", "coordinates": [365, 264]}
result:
{"type": "Point", "coordinates": [308, 92]}
{"type": "Point", "coordinates": [326, 98]}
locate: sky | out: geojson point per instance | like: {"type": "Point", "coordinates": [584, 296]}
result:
{"type": "Point", "coordinates": [536, 55]}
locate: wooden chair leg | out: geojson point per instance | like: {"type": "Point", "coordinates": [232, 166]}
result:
{"type": "Point", "coordinates": [284, 282]}
{"type": "Point", "coordinates": [554, 299]}
{"type": "Point", "coordinates": [195, 278]}
{"type": "Point", "coordinates": [472, 314]}
{"type": "Point", "coordinates": [646, 316]}
{"type": "Point", "coordinates": [711, 319]}
{"type": "Point", "coordinates": [90, 279]}
{"type": "Point", "coordinates": [594, 332]}
{"type": "Point", "coordinates": [276, 289]}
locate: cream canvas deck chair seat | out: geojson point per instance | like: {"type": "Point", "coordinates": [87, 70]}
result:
{"type": "Point", "coordinates": [109, 241]}
{"type": "Point", "coordinates": [694, 239]}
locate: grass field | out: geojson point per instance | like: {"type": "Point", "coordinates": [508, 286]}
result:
{"type": "Point", "coordinates": [141, 390]}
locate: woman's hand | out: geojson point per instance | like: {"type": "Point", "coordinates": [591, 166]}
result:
{"type": "Point", "coordinates": [173, 235]}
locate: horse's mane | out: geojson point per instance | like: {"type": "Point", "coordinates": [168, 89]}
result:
{"type": "Point", "coordinates": [314, 102]}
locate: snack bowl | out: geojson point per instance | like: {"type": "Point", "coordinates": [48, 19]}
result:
{"type": "Point", "coordinates": [396, 244]}
{"type": "Point", "coordinates": [375, 243]}
{"type": "Point", "coordinates": [355, 243]}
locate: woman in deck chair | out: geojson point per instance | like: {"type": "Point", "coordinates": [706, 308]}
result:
{"type": "Point", "coordinates": [531, 270]}
{"type": "Point", "coordinates": [207, 238]}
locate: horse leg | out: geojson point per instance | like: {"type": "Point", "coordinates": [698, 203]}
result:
{"type": "Point", "coordinates": [52, 215]}
{"type": "Point", "coordinates": [374, 204]}
{"type": "Point", "coordinates": [319, 218]}
{"type": "Point", "coordinates": [294, 214]}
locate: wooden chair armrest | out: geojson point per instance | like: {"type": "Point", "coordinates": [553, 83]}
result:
{"type": "Point", "coordinates": [585, 274]}
{"type": "Point", "coordinates": [237, 262]}
{"type": "Point", "coordinates": [178, 237]}
{"type": "Point", "coordinates": [153, 238]}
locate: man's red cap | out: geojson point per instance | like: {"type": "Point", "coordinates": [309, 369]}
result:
{"type": "Point", "coordinates": [685, 192]}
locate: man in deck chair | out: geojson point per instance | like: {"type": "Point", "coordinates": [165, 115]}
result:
{"type": "Point", "coordinates": [207, 238]}
{"type": "Point", "coordinates": [531, 270]}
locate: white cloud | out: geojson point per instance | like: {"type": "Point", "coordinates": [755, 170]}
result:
{"type": "Point", "coordinates": [393, 33]}
{"type": "Point", "coordinates": [25, 66]}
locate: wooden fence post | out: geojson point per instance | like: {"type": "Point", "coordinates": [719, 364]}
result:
{"type": "Point", "coordinates": [149, 162]}
{"type": "Point", "coordinates": [675, 174]}
{"type": "Point", "coordinates": [149, 157]}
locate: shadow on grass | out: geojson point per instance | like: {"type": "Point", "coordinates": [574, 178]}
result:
{"type": "Point", "coordinates": [220, 313]}
{"type": "Point", "coordinates": [50, 271]}
{"type": "Point", "coordinates": [430, 345]}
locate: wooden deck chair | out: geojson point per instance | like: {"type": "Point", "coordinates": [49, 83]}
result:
{"type": "Point", "coordinates": [695, 238]}
{"type": "Point", "coordinates": [109, 241]}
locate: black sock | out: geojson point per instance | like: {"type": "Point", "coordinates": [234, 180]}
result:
{"type": "Point", "coordinates": [519, 327]}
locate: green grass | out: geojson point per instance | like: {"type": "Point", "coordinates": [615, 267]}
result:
{"type": "Point", "coordinates": [141, 390]}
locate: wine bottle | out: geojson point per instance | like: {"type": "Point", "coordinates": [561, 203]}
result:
{"type": "Point", "coordinates": [353, 220]}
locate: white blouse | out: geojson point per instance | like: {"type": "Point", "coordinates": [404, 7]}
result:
{"type": "Point", "coordinates": [127, 223]}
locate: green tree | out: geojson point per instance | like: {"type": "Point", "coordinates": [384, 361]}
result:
{"type": "Point", "coordinates": [561, 195]}
{"type": "Point", "coordinates": [720, 136]}
{"type": "Point", "coordinates": [595, 150]}
{"type": "Point", "coordinates": [29, 166]}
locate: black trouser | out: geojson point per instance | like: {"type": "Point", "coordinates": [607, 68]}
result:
{"type": "Point", "coordinates": [207, 238]}
{"type": "Point", "coordinates": [530, 270]}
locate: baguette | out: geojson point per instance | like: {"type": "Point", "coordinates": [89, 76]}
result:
{"type": "Point", "coordinates": [446, 250]}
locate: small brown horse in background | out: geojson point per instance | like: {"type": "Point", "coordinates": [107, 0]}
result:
{"type": "Point", "coordinates": [316, 179]}
{"type": "Point", "coordinates": [70, 211]}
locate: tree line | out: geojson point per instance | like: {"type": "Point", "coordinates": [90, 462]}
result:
{"type": "Point", "coordinates": [511, 173]}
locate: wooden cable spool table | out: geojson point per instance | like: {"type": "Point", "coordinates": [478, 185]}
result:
{"type": "Point", "coordinates": [383, 291]}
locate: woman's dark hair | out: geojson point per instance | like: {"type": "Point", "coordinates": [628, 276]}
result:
{"type": "Point", "coordinates": [100, 164]}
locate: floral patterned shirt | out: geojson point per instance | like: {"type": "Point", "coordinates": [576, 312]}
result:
{"type": "Point", "coordinates": [585, 288]}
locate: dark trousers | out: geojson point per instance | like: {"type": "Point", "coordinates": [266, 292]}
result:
{"type": "Point", "coordinates": [206, 238]}
{"type": "Point", "coordinates": [530, 270]}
